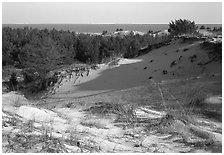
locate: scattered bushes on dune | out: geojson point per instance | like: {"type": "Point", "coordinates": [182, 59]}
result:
{"type": "Point", "coordinates": [215, 50]}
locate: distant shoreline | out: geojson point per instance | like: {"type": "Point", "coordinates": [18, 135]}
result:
{"type": "Point", "coordinates": [101, 24]}
{"type": "Point", "coordinates": [99, 28]}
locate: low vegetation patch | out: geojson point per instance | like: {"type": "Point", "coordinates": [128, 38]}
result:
{"type": "Point", "coordinates": [214, 50]}
{"type": "Point", "coordinates": [186, 49]}
{"type": "Point", "coordinates": [112, 108]}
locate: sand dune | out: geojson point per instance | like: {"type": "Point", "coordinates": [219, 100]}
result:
{"type": "Point", "coordinates": [83, 108]}
{"type": "Point", "coordinates": [130, 73]}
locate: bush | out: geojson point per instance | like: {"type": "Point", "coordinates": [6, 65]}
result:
{"type": "Point", "coordinates": [202, 27]}
{"type": "Point", "coordinates": [215, 50]}
{"type": "Point", "coordinates": [104, 32]}
{"type": "Point", "coordinates": [13, 82]}
{"type": "Point", "coordinates": [30, 75]}
{"type": "Point", "coordinates": [180, 27]}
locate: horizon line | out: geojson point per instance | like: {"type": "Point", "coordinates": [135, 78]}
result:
{"type": "Point", "coordinates": [100, 23]}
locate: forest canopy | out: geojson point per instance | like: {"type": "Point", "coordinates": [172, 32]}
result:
{"type": "Point", "coordinates": [45, 49]}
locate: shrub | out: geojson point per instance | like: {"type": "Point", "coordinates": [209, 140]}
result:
{"type": "Point", "coordinates": [13, 82]}
{"type": "Point", "coordinates": [180, 27]}
{"type": "Point", "coordinates": [104, 32]}
{"type": "Point", "coordinates": [215, 50]}
{"type": "Point", "coordinates": [29, 75]}
{"type": "Point", "coordinates": [202, 27]}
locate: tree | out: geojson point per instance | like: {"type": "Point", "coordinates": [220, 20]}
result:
{"type": "Point", "coordinates": [119, 29]}
{"type": "Point", "coordinates": [208, 28]}
{"type": "Point", "coordinates": [216, 29]}
{"type": "Point", "coordinates": [104, 32]}
{"type": "Point", "coordinates": [179, 27]}
{"type": "Point", "coordinates": [150, 32]}
{"type": "Point", "coordinates": [132, 49]}
{"type": "Point", "coordinates": [202, 27]}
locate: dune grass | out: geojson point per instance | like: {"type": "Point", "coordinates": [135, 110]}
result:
{"type": "Point", "coordinates": [25, 137]}
{"type": "Point", "coordinates": [186, 111]}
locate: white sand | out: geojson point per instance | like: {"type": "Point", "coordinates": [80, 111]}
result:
{"type": "Point", "coordinates": [33, 113]}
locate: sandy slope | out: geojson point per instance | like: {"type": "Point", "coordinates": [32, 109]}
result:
{"type": "Point", "coordinates": [132, 73]}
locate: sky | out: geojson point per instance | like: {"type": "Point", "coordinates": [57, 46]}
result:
{"type": "Point", "coordinates": [106, 12]}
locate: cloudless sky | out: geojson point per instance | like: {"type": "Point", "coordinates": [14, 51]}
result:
{"type": "Point", "coordinates": [132, 12]}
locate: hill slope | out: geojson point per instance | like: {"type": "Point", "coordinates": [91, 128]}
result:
{"type": "Point", "coordinates": [131, 105]}
{"type": "Point", "coordinates": [153, 64]}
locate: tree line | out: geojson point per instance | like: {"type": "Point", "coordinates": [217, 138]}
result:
{"type": "Point", "coordinates": [23, 47]}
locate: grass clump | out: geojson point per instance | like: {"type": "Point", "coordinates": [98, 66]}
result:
{"type": "Point", "coordinates": [24, 137]}
{"type": "Point", "coordinates": [111, 108]}
{"type": "Point", "coordinates": [125, 112]}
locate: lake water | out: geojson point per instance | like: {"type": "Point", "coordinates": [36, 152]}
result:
{"type": "Point", "coordinates": [98, 28]}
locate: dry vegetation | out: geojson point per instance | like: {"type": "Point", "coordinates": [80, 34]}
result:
{"type": "Point", "coordinates": [181, 123]}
